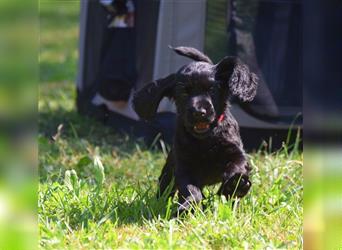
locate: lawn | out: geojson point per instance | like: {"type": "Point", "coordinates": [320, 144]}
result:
{"type": "Point", "coordinates": [97, 188]}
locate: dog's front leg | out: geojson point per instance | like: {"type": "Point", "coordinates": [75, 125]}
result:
{"type": "Point", "coordinates": [236, 181]}
{"type": "Point", "coordinates": [189, 193]}
{"type": "Point", "coordinates": [166, 181]}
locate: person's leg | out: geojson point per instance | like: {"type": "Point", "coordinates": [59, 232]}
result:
{"type": "Point", "coordinates": [117, 74]}
{"type": "Point", "coordinates": [118, 66]}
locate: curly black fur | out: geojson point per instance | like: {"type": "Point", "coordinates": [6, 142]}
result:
{"type": "Point", "coordinates": [207, 147]}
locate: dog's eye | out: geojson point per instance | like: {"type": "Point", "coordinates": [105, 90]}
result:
{"type": "Point", "coordinates": [180, 86]}
{"type": "Point", "coordinates": [214, 90]}
{"type": "Point", "coordinates": [182, 90]}
{"type": "Point", "coordinates": [188, 89]}
{"type": "Point", "coordinates": [211, 88]}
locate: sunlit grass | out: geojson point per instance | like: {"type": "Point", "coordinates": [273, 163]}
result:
{"type": "Point", "coordinates": [117, 205]}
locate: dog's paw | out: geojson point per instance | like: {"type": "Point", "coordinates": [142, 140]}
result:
{"type": "Point", "coordinates": [237, 186]}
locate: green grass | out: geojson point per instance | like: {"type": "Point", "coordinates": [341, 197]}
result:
{"type": "Point", "coordinates": [97, 188]}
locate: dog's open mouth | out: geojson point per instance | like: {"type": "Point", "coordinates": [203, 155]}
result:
{"type": "Point", "coordinates": [201, 127]}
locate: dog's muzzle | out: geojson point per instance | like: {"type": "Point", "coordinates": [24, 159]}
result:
{"type": "Point", "coordinates": [201, 127]}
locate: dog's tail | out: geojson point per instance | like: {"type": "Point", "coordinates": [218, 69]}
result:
{"type": "Point", "coordinates": [191, 53]}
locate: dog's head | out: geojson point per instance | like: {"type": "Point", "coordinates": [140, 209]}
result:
{"type": "Point", "coordinates": [200, 89]}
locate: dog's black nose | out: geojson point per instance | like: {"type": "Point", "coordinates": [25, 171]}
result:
{"type": "Point", "coordinates": [198, 113]}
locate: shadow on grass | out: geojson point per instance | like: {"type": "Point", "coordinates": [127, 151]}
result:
{"type": "Point", "coordinates": [116, 207]}
{"type": "Point", "coordinates": [76, 126]}
{"type": "Point", "coordinates": [142, 209]}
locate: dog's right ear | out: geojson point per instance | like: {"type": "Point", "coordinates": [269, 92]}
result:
{"type": "Point", "coordinates": [146, 100]}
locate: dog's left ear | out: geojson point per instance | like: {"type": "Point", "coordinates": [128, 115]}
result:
{"type": "Point", "coordinates": [146, 100]}
{"type": "Point", "coordinates": [241, 82]}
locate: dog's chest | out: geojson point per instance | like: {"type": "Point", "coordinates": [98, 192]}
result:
{"type": "Point", "coordinates": [206, 164]}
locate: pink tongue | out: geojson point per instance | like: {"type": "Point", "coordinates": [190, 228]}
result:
{"type": "Point", "coordinates": [202, 125]}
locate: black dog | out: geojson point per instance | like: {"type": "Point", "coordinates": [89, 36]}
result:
{"type": "Point", "coordinates": [207, 147]}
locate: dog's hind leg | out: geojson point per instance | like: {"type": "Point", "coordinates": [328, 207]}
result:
{"type": "Point", "coordinates": [189, 193]}
{"type": "Point", "coordinates": [166, 181]}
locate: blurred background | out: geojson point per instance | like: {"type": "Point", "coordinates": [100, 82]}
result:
{"type": "Point", "coordinates": [18, 124]}
{"type": "Point", "coordinates": [28, 31]}
{"type": "Point", "coordinates": [266, 35]}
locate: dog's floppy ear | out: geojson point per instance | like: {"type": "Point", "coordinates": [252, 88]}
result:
{"type": "Point", "coordinates": [241, 82]}
{"type": "Point", "coordinates": [192, 53]}
{"type": "Point", "coordinates": [146, 100]}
